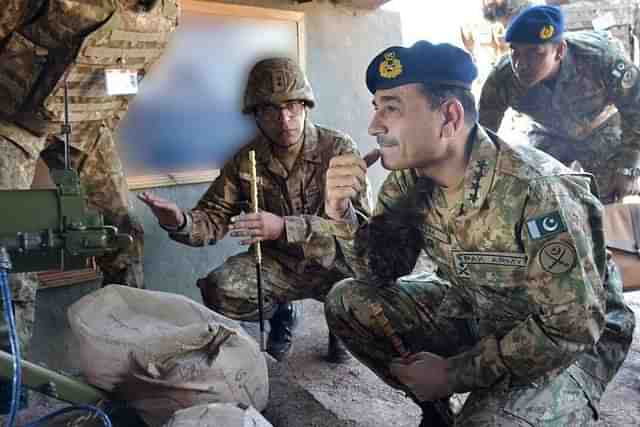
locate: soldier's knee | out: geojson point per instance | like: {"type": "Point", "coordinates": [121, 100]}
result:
{"type": "Point", "coordinates": [338, 299]}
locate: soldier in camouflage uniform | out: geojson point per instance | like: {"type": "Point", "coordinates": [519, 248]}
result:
{"type": "Point", "coordinates": [572, 87]}
{"type": "Point", "coordinates": [292, 156]}
{"type": "Point", "coordinates": [525, 310]}
{"type": "Point", "coordinates": [503, 11]}
{"type": "Point", "coordinates": [42, 44]}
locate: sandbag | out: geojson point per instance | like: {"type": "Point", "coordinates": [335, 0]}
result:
{"type": "Point", "coordinates": [163, 352]}
{"type": "Point", "coordinates": [218, 415]}
{"type": "Point", "coordinates": [622, 234]}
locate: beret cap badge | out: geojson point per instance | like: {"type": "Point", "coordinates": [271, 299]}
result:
{"type": "Point", "coordinates": [547, 32]}
{"type": "Point", "coordinates": [390, 67]}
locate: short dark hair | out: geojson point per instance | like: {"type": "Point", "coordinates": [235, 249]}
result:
{"type": "Point", "coordinates": [440, 93]}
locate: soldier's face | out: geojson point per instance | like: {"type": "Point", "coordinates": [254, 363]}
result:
{"type": "Point", "coordinates": [533, 63]}
{"type": "Point", "coordinates": [283, 123]}
{"type": "Point", "coordinates": [406, 128]}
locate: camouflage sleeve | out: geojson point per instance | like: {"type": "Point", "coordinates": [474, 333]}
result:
{"type": "Point", "coordinates": [622, 79]}
{"type": "Point", "coordinates": [563, 239]}
{"type": "Point", "coordinates": [388, 245]}
{"type": "Point", "coordinates": [493, 104]}
{"type": "Point", "coordinates": [208, 221]}
{"type": "Point", "coordinates": [317, 234]}
{"type": "Point", "coordinates": [13, 15]}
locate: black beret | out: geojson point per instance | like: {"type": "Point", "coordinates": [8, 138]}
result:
{"type": "Point", "coordinates": [536, 25]}
{"type": "Point", "coordinates": [424, 62]}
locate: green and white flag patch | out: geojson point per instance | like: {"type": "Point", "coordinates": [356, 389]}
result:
{"type": "Point", "coordinates": [546, 225]}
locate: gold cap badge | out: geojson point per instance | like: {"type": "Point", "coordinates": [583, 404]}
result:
{"type": "Point", "coordinates": [547, 32]}
{"type": "Point", "coordinates": [391, 67]}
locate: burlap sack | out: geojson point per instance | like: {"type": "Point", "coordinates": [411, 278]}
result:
{"type": "Point", "coordinates": [163, 352]}
{"type": "Point", "coordinates": [622, 233]}
{"type": "Point", "coordinates": [218, 415]}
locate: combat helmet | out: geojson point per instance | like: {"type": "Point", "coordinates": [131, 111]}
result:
{"type": "Point", "coordinates": [274, 81]}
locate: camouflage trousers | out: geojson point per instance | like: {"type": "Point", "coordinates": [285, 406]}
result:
{"type": "Point", "coordinates": [411, 306]}
{"type": "Point", "coordinates": [594, 152]}
{"type": "Point", "coordinates": [102, 176]}
{"type": "Point", "coordinates": [232, 289]}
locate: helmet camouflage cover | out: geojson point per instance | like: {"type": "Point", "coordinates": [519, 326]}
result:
{"type": "Point", "coordinates": [274, 81]}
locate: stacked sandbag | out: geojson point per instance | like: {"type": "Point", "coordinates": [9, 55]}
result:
{"type": "Point", "coordinates": [163, 352]}
{"type": "Point", "coordinates": [218, 415]}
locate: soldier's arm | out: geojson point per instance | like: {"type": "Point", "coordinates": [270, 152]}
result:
{"type": "Point", "coordinates": [622, 79]}
{"type": "Point", "coordinates": [388, 245]}
{"type": "Point", "coordinates": [493, 104]}
{"type": "Point", "coordinates": [566, 263]}
{"type": "Point", "coordinates": [208, 221]}
{"type": "Point", "coordinates": [315, 233]}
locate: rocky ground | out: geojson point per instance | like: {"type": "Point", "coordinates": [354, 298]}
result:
{"type": "Point", "coordinates": [306, 391]}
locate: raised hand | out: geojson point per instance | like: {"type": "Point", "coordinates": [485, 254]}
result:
{"type": "Point", "coordinates": [346, 177]}
{"type": "Point", "coordinates": [167, 212]}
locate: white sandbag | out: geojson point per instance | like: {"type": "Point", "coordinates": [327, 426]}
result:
{"type": "Point", "coordinates": [218, 415]}
{"type": "Point", "coordinates": [163, 352]}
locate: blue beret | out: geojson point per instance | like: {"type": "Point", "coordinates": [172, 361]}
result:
{"type": "Point", "coordinates": [424, 62]}
{"type": "Point", "coordinates": [536, 25]}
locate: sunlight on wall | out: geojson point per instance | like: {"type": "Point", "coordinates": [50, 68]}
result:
{"type": "Point", "coordinates": [436, 21]}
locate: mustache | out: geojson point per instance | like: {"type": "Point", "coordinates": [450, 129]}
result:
{"type": "Point", "coordinates": [386, 142]}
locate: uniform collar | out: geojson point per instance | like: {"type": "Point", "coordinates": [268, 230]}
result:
{"type": "Point", "coordinates": [479, 174]}
{"type": "Point", "coordinates": [309, 150]}
{"type": "Point", "coordinates": [481, 169]}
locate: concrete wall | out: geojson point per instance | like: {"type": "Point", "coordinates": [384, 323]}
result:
{"type": "Point", "coordinates": [340, 42]}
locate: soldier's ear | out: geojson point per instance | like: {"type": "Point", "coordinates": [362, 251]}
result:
{"type": "Point", "coordinates": [561, 50]}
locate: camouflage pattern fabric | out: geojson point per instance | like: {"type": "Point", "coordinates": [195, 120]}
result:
{"type": "Point", "coordinates": [307, 247]}
{"type": "Point", "coordinates": [232, 290]}
{"type": "Point", "coordinates": [524, 300]}
{"type": "Point", "coordinates": [17, 169]}
{"type": "Point", "coordinates": [595, 78]}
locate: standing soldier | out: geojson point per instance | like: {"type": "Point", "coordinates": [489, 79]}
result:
{"type": "Point", "coordinates": [91, 45]}
{"type": "Point", "coordinates": [298, 243]}
{"type": "Point", "coordinates": [524, 312]}
{"type": "Point", "coordinates": [572, 86]}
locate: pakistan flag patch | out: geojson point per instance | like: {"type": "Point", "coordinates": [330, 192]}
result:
{"type": "Point", "coordinates": [546, 225]}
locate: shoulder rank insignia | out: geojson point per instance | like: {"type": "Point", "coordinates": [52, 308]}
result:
{"type": "Point", "coordinates": [547, 32]}
{"type": "Point", "coordinates": [391, 67]}
{"type": "Point", "coordinates": [546, 225]}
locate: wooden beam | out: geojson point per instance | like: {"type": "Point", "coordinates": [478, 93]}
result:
{"type": "Point", "coordinates": [214, 8]}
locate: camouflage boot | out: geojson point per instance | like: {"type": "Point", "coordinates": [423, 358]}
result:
{"type": "Point", "coordinates": [337, 352]}
{"type": "Point", "coordinates": [283, 323]}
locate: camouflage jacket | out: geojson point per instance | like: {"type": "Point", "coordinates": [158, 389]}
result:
{"type": "Point", "coordinates": [522, 252]}
{"type": "Point", "coordinates": [595, 78]}
{"type": "Point", "coordinates": [297, 196]}
{"type": "Point", "coordinates": [42, 43]}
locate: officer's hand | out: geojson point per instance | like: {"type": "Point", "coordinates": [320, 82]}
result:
{"type": "Point", "coordinates": [425, 374]}
{"type": "Point", "coordinates": [167, 212]}
{"type": "Point", "coordinates": [257, 227]}
{"type": "Point", "coordinates": [623, 186]}
{"type": "Point", "coordinates": [346, 177]}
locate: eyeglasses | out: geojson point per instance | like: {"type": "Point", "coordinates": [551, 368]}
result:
{"type": "Point", "coordinates": [272, 111]}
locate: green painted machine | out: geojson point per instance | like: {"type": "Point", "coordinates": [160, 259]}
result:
{"type": "Point", "coordinates": [49, 230]}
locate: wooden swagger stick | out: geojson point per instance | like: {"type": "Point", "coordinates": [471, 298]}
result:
{"type": "Point", "coordinates": [383, 321]}
{"type": "Point", "coordinates": [257, 246]}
